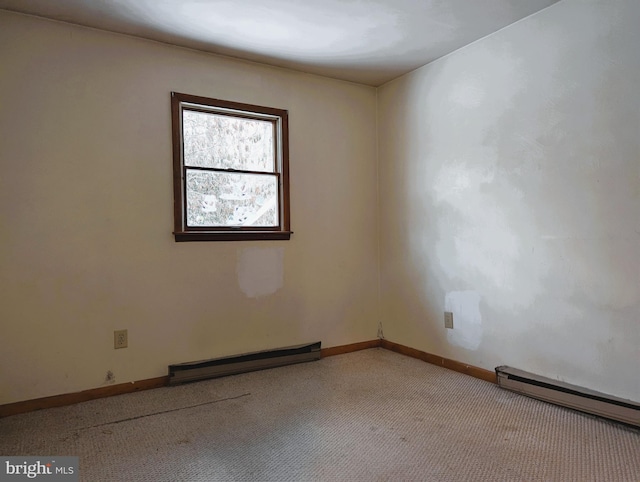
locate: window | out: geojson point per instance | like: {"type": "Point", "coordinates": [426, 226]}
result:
{"type": "Point", "coordinates": [230, 170]}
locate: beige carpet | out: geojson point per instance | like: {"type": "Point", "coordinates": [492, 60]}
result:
{"type": "Point", "coordinates": [373, 415]}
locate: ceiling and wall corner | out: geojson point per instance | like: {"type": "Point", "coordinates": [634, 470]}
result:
{"type": "Point", "coordinates": [363, 41]}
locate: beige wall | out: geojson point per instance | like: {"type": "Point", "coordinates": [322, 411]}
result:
{"type": "Point", "coordinates": [510, 195]}
{"type": "Point", "coordinates": [86, 214]}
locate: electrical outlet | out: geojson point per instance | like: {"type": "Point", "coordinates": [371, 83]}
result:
{"type": "Point", "coordinates": [448, 320]}
{"type": "Point", "coordinates": [120, 339]}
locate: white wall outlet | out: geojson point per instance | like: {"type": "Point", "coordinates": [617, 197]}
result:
{"type": "Point", "coordinates": [120, 339]}
{"type": "Point", "coordinates": [448, 320]}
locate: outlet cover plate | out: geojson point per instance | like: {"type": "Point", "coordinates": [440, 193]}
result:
{"type": "Point", "coordinates": [120, 339]}
{"type": "Point", "coordinates": [448, 320]}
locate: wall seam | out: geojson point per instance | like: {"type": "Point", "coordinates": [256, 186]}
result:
{"type": "Point", "coordinates": [378, 215]}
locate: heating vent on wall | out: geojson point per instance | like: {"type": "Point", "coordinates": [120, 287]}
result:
{"type": "Point", "coordinates": [570, 396]}
{"type": "Point", "coordinates": [233, 365]}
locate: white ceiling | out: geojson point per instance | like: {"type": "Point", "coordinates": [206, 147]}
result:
{"type": "Point", "coordinates": [365, 41]}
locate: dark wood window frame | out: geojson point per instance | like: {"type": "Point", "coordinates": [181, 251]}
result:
{"type": "Point", "coordinates": [183, 232]}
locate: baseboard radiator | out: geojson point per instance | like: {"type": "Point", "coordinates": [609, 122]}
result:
{"type": "Point", "coordinates": [233, 365]}
{"type": "Point", "coordinates": [570, 396]}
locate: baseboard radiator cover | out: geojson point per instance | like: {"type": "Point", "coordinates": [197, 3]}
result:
{"type": "Point", "coordinates": [571, 396]}
{"type": "Point", "coordinates": [248, 362]}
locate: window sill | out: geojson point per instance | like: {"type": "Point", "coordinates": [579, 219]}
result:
{"type": "Point", "coordinates": [232, 236]}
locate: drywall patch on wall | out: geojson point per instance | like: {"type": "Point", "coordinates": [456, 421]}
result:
{"type": "Point", "coordinates": [483, 232]}
{"type": "Point", "coordinates": [467, 321]}
{"type": "Point", "coordinates": [260, 271]}
{"type": "Point", "coordinates": [467, 93]}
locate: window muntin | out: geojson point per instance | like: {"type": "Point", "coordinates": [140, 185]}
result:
{"type": "Point", "coordinates": [230, 170]}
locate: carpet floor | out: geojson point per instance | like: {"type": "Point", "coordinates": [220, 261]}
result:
{"type": "Point", "coordinates": [372, 415]}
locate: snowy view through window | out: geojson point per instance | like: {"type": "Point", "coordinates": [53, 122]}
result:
{"type": "Point", "coordinates": [215, 147]}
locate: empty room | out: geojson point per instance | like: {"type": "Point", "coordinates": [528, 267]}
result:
{"type": "Point", "coordinates": [320, 240]}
